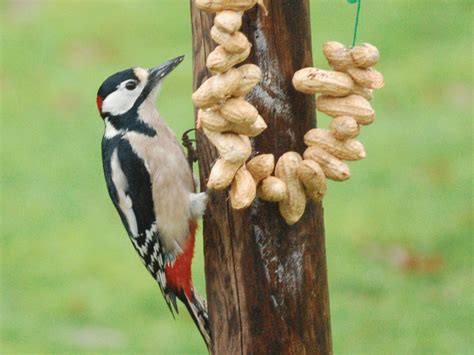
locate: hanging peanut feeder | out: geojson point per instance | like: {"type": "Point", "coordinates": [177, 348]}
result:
{"type": "Point", "coordinates": [225, 117]}
{"type": "Point", "coordinates": [228, 120]}
{"type": "Point", "coordinates": [344, 95]}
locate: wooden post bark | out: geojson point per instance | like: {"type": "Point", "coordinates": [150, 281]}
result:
{"type": "Point", "coordinates": [266, 281]}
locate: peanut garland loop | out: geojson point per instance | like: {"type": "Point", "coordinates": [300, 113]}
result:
{"type": "Point", "coordinates": [228, 120]}
{"type": "Point", "coordinates": [225, 117]}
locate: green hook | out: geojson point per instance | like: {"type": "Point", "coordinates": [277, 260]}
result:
{"type": "Point", "coordinates": [356, 26]}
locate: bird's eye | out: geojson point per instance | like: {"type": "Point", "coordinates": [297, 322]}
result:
{"type": "Point", "coordinates": [131, 85]}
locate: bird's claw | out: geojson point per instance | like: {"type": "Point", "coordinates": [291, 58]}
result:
{"type": "Point", "coordinates": [187, 142]}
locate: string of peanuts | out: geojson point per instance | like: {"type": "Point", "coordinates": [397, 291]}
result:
{"type": "Point", "coordinates": [345, 95]}
{"type": "Point", "coordinates": [225, 117]}
{"type": "Point", "coordinates": [228, 120]}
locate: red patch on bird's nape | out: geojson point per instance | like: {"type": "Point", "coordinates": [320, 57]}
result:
{"type": "Point", "coordinates": [99, 103]}
{"type": "Point", "coordinates": [178, 275]}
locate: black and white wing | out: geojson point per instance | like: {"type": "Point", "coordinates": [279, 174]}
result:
{"type": "Point", "coordinates": [130, 189]}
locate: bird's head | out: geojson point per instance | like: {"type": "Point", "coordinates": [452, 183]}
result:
{"type": "Point", "coordinates": [129, 88]}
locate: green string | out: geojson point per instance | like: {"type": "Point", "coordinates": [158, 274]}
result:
{"type": "Point", "coordinates": [356, 26]}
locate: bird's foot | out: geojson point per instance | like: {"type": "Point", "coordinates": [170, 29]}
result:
{"type": "Point", "coordinates": [188, 143]}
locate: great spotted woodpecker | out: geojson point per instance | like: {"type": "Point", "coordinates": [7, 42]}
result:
{"type": "Point", "coordinates": [151, 184]}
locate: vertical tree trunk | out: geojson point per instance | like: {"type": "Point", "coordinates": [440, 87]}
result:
{"type": "Point", "coordinates": [266, 281]}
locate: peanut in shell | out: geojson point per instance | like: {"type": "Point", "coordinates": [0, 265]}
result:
{"type": "Point", "coordinates": [217, 88]}
{"type": "Point", "coordinates": [293, 205]}
{"type": "Point", "coordinates": [222, 174]}
{"type": "Point", "coordinates": [251, 131]}
{"type": "Point", "coordinates": [368, 78]}
{"type": "Point", "coordinates": [221, 60]}
{"type": "Point", "coordinates": [338, 55]}
{"type": "Point", "coordinates": [228, 21]}
{"type": "Point", "coordinates": [233, 43]}
{"type": "Point", "coordinates": [261, 166]}
{"type": "Point", "coordinates": [250, 76]}
{"type": "Point", "coordinates": [213, 120]}
{"type": "Point", "coordinates": [353, 105]}
{"type": "Point", "coordinates": [243, 189]}
{"type": "Point", "coordinates": [234, 148]}
{"type": "Point", "coordinates": [220, 5]}
{"type": "Point", "coordinates": [312, 176]}
{"type": "Point", "coordinates": [272, 189]}
{"type": "Point", "coordinates": [344, 127]}
{"type": "Point", "coordinates": [237, 110]}
{"type": "Point", "coordinates": [314, 80]}
{"type": "Point", "coordinates": [349, 149]}
{"type": "Point", "coordinates": [365, 55]}
{"type": "Point", "coordinates": [333, 168]}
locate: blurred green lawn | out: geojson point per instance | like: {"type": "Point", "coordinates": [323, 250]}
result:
{"type": "Point", "coordinates": [398, 233]}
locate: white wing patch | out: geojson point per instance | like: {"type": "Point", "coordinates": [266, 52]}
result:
{"type": "Point", "coordinates": [121, 185]}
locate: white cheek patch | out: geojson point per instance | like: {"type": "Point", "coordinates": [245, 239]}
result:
{"type": "Point", "coordinates": [121, 100]}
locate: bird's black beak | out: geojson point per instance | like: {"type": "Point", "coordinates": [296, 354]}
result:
{"type": "Point", "coordinates": [156, 74]}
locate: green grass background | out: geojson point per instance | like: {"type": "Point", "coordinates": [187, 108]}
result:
{"type": "Point", "coordinates": [399, 232]}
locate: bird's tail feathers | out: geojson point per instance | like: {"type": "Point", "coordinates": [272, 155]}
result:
{"type": "Point", "coordinates": [198, 310]}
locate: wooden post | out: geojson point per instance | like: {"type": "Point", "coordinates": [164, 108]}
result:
{"type": "Point", "coordinates": [266, 281]}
